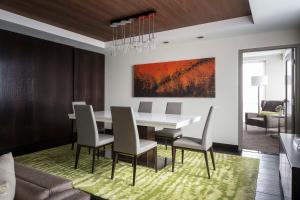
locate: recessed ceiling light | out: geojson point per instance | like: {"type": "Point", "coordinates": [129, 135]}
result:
{"type": "Point", "coordinates": [200, 37]}
{"type": "Point", "coordinates": [165, 42]}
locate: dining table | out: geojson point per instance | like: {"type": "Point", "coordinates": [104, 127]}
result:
{"type": "Point", "coordinates": [147, 124]}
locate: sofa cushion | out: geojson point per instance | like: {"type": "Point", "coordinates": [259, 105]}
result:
{"type": "Point", "coordinates": [269, 113]}
{"type": "Point", "coordinates": [27, 190]}
{"type": "Point", "coordinates": [53, 183]}
{"type": "Point", "coordinates": [7, 177]}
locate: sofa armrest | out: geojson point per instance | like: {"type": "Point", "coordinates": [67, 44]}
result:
{"type": "Point", "coordinates": [53, 184]}
{"type": "Point", "coordinates": [250, 115]}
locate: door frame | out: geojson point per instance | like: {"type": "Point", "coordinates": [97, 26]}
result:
{"type": "Point", "coordinates": [240, 86]}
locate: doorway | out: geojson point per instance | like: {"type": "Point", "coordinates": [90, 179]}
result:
{"type": "Point", "coordinates": [266, 100]}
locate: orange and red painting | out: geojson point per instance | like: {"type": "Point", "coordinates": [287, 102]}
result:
{"type": "Point", "coordinates": [186, 78]}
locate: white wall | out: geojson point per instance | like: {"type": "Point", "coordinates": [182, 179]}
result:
{"type": "Point", "coordinates": [119, 80]}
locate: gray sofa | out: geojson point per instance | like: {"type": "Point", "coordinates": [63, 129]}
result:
{"type": "Point", "coordinates": [37, 185]}
{"type": "Point", "coordinates": [265, 121]}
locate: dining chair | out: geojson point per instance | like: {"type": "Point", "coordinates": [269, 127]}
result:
{"type": "Point", "coordinates": [145, 107]}
{"type": "Point", "coordinates": [127, 140]}
{"type": "Point", "coordinates": [87, 132]}
{"type": "Point", "coordinates": [199, 145]}
{"type": "Point", "coordinates": [170, 135]}
{"type": "Point", "coordinates": [74, 137]}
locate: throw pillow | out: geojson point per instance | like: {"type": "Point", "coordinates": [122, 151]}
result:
{"type": "Point", "coordinates": [7, 176]}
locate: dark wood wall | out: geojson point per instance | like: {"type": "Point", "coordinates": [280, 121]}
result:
{"type": "Point", "coordinates": [87, 86]}
{"type": "Point", "coordinates": [38, 82]}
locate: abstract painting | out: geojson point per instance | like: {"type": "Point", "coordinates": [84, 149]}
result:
{"type": "Point", "coordinates": [185, 78]}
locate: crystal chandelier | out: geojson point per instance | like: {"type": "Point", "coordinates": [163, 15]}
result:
{"type": "Point", "coordinates": [134, 32]}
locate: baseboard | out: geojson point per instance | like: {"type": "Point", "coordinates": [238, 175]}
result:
{"type": "Point", "coordinates": [230, 148]}
{"type": "Point", "coordinates": [21, 150]}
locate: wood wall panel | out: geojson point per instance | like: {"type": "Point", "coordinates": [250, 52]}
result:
{"type": "Point", "coordinates": [37, 89]}
{"type": "Point", "coordinates": [89, 68]}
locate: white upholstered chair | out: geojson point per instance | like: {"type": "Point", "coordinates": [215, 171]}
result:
{"type": "Point", "coordinates": [87, 132]}
{"type": "Point", "coordinates": [126, 138]}
{"type": "Point", "coordinates": [74, 133]}
{"type": "Point", "coordinates": [199, 145]}
{"type": "Point", "coordinates": [145, 107]}
{"type": "Point", "coordinates": [167, 135]}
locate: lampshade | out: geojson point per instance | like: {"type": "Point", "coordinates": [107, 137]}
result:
{"type": "Point", "coordinates": [259, 80]}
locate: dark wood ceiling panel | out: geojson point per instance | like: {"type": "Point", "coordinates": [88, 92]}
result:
{"type": "Point", "coordinates": [92, 17]}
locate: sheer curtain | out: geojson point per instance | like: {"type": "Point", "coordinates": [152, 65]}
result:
{"type": "Point", "coordinates": [250, 93]}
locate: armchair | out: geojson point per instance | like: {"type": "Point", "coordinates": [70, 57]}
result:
{"type": "Point", "coordinates": [265, 120]}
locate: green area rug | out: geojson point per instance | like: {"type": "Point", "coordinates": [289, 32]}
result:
{"type": "Point", "coordinates": [235, 176]}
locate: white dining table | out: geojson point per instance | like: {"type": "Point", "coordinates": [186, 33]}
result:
{"type": "Point", "coordinates": [157, 120]}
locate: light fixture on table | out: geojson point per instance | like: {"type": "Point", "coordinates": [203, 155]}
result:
{"type": "Point", "coordinates": [259, 81]}
{"type": "Point", "coordinates": [133, 32]}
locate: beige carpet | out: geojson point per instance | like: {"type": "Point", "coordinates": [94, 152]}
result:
{"type": "Point", "coordinates": [256, 139]}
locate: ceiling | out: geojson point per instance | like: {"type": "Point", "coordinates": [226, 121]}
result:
{"type": "Point", "coordinates": [92, 17]}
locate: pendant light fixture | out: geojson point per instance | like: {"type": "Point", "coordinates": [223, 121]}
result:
{"type": "Point", "coordinates": [133, 32]}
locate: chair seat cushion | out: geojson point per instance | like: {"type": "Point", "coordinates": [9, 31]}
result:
{"type": "Point", "coordinates": [105, 139]}
{"type": "Point", "coordinates": [169, 133]}
{"type": "Point", "coordinates": [146, 145]}
{"type": "Point", "coordinates": [189, 143]}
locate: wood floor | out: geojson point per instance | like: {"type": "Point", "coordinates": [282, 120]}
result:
{"type": "Point", "coordinates": [268, 183]}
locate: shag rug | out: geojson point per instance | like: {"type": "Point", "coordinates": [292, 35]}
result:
{"type": "Point", "coordinates": [234, 178]}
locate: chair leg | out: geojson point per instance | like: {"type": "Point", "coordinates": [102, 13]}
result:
{"type": "Point", "coordinates": [166, 144]}
{"type": "Point", "coordinates": [173, 157]}
{"type": "Point", "coordinates": [114, 155]}
{"type": "Point", "coordinates": [77, 155]}
{"type": "Point", "coordinates": [206, 161]}
{"type": "Point", "coordinates": [134, 169]}
{"type": "Point", "coordinates": [182, 156]}
{"type": "Point", "coordinates": [266, 131]}
{"type": "Point", "coordinates": [93, 162]}
{"type": "Point", "coordinates": [155, 158]}
{"type": "Point", "coordinates": [72, 148]}
{"type": "Point", "coordinates": [89, 150]}
{"type": "Point", "coordinates": [117, 158]}
{"type": "Point", "coordinates": [73, 141]}
{"type": "Point", "coordinates": [212, 157]}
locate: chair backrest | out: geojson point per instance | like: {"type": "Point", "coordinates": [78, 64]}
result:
{"type": "Point", "coordinates": [173, 108]}
{"type": "Point", "coordinates": [126, 136]}
{"type": "Point", "coordinates": [270, 105]}
{"type": "Point", "coordinates": [87, 131]}
{"type": "Point", "coordinates": [207, 131]}
{"type": "Point", "coordinates": [145, 107]}
{"type": "Point", "coordinates": [77, 103]}
{"type": "Point", "coordinates": [73, 104]}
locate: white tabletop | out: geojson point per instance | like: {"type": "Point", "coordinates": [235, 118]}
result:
{"type": "Point", "coordinates": [151, 119]}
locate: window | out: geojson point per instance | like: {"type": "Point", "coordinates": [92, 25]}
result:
{"type": "Point", "coordinates": [250, 93]}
